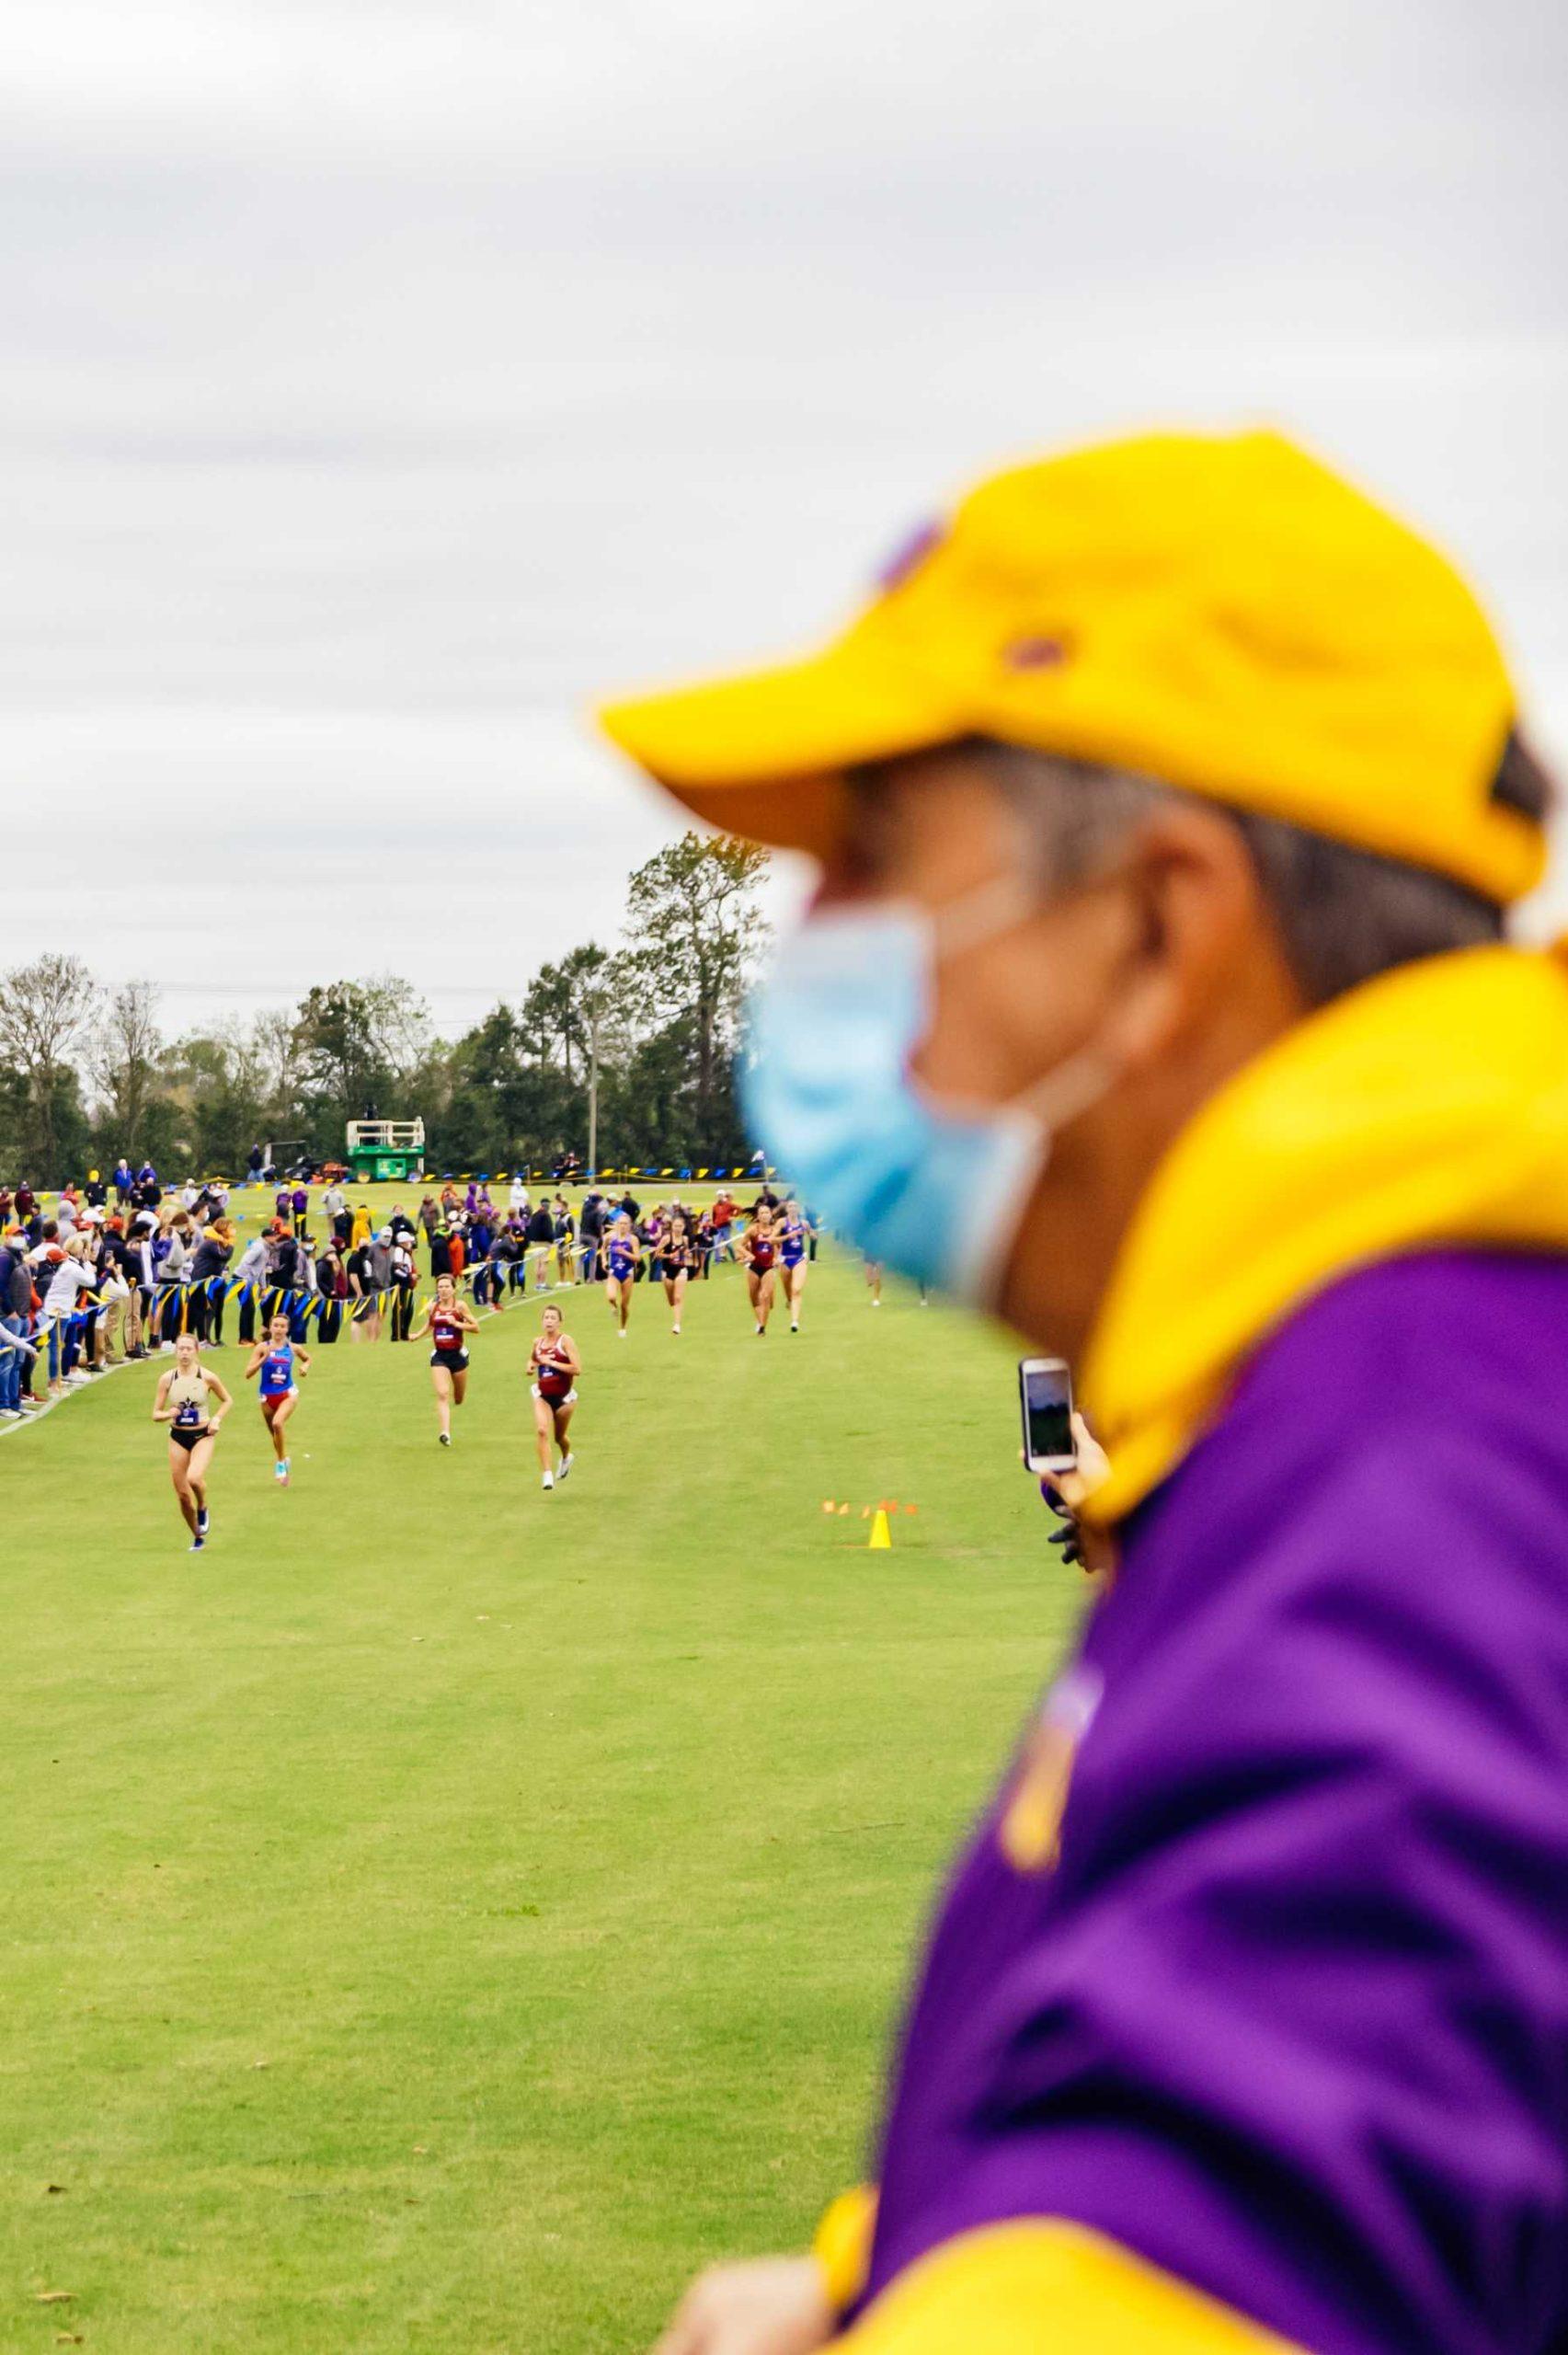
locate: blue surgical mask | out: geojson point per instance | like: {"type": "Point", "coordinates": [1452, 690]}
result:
{"type": "Point", "coordinates": [937, 1192]}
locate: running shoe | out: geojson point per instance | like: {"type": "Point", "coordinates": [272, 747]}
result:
{"type": "Point", "coordinates": [565, 1465]}
{"type": "Point", "coordinates": [197, 1546]}
{"type": "Point", "coordinates": [281, 1473]}
{"type": "Point", "coordinates": [445, 1438]}
{"type": "Point", "coordinates": [547, 1482]}
{"type": "Point", "coordinates": [203, 1522]}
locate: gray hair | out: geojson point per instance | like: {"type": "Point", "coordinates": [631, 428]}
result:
{"type": "Point", "coordinates": [1344, 914]}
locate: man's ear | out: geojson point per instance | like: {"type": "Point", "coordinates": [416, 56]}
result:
{"type": "Point", "coordinates": [1203, 945]}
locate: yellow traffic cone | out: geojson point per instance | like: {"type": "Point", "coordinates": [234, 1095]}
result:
{"type": "Point", "coordinates": [881, 1537]}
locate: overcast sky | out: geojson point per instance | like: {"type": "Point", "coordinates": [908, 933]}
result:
{"type": "Point", "coordinates": [378, 382]}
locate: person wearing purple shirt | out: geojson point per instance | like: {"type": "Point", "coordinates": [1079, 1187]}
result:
{"type": "Point", "coordinates": [1309, 1907]}
{"type": "Point", "coordinates": [1159, 996]}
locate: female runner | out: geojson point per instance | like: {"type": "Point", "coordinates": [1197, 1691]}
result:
{"type": "Point", "coordinates": [184, 1401]}
{"type": "Point", "coordinates": [623, 1251]}
{"type": "Point", "coordinates": [446, 1320]}
{"type": "Point", "coordinates": [758, 1249]}
{"type": "Point", "coordinates": [676, 1259]}
{"type": "Point", "coordinates": [794, 1235]}
{"type": "Point", "coordinates": [555, 1365]}
{"type": "Point", "coordinates": [276, 1360]}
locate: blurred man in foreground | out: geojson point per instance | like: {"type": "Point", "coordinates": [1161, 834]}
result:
{"type": "Point", "coordinates": [1169, 801]}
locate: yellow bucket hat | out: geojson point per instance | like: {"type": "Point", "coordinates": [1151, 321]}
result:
{"type": "Point", "coordinates": [1220, 612]}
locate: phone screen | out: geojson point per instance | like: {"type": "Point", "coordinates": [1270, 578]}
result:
{"type": "Point", "coordinates": [1047, 1410]}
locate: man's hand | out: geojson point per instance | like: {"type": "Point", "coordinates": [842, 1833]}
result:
{"type": "Point", "coordinates": [774, 2306]}
{"type": "Point", "coordinates": [1094, 1469]}
{"type": "Point", "coordinates": [1066, 1493]}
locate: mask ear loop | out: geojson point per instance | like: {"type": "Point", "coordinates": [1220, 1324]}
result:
{"type": "Point", "coordinates": [1058, 1098]}
{"type": "Point", "coordinates": [980, 914]}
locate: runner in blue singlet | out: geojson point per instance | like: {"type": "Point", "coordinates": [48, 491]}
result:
{"type": "Point", "coordinates": [277, 1360]}
{"type": "Point", "coordinates": [622, 1249]}
{"type": "Point", "coordinates": [794, 1235]}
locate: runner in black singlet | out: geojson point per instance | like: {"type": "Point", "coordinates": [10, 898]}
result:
{"type": "Point", "coordinates": [676, 1257]}
{"type": "Point", "coordinates": [193, 1403]}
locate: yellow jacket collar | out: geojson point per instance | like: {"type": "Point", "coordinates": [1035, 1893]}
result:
{"type": "Point", "coordinates": [1428, 1108]}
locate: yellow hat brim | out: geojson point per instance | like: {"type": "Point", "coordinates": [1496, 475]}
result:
{"type": "Point", "coordinates": [764, 754]}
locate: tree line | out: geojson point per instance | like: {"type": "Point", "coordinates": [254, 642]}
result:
{"type": "Point", "coordinates": [642, 1035]}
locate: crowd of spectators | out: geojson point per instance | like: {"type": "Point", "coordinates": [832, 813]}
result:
{"type": "Point", "coordinates": [102, 1275]}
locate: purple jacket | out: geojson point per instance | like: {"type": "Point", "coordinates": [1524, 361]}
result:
{"type": "Point", "coordinates": [1290, 2018]}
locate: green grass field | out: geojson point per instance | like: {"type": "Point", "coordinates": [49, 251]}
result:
{"type": "Point", "coordinates": [442, 1915]}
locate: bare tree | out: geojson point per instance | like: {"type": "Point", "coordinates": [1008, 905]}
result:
{"type": "Point", "coordinates": [248, 1058]}
{"type": "Point", "coordinates": [283, 1059]}
{"type": "Point", "coordinates": [693, 930]}
{"type": "Point", "coordinates": [400, 1022]}
{"type": "Point", "coordinates": [126, 1049]}
{"type": "Point", "coordinates": [46, 1009]}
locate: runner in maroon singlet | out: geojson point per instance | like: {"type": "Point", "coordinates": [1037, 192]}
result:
{"type": "Point", "coordinates": [448, 1321]}
{"type": "Point", "coordinates": [759, 1253]}
{"type": "Point", "coordinates": [554, 1364]}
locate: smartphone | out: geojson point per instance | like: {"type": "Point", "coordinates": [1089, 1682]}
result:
{"type": "Point", "coordinates": [1045, 1389]}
